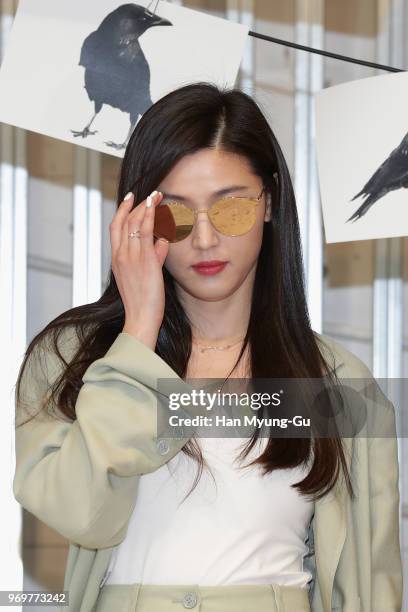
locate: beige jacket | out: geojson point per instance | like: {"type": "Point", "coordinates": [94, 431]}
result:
{"type": "Point", "coordinates": [81, 478]}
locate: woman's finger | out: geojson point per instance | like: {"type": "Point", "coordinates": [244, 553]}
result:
{"type": "Point", "coordinates": [146, 227]}
{"type": "Point", "coordinates": [121, 254]}
{"type": "Point", "coordinates": [135, 220]}
{"type": "Point", "coordinates": [115, 227]}
{"type": "Point", "coordinates": [161, 246]}
{"type": "Point", "coordinates": [136, 215]}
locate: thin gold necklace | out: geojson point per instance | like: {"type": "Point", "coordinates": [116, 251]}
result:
{"type": "Point", "coordinates": [207, 347]}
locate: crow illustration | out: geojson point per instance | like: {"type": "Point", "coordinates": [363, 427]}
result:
{"type": "Point", "coordinates": [116, 70]}
{"type": "Point", "coordinates": [391, 175]}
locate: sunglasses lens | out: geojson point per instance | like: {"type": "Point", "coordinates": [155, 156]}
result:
{"type": "Point", "coordinates": [233, 216]}
{"type": "Point", "coordinates": [173, 221]}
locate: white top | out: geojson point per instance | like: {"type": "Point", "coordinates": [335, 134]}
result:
{"type": "Point", "coordinates": [245, 529]}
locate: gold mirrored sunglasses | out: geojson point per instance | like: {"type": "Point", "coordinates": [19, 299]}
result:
{"type": "Point", "coordinates": [230, 215]}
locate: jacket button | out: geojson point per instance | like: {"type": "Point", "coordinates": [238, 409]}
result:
{"type": "Point", "coordinates": [163, 447]}
{"type": "Point", "coordinates": [190, 600]}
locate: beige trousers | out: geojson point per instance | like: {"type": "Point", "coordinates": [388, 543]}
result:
{"type": "Point", "coordinates": [178, 598]}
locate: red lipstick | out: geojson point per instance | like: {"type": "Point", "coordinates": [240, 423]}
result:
{"type": "Point", "coordinates": [209, 268]}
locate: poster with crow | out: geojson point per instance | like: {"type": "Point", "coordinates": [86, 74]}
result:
{"type": "Point", "coordinates": [362, 156]}
{"type": "Point", "coordinates": [85, 72]}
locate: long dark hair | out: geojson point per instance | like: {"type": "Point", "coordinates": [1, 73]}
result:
{"type": "Point", "coordinates": [281, 341]}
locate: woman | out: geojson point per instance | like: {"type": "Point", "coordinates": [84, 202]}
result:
{"type": "Point", "coordinates": [311, 530]}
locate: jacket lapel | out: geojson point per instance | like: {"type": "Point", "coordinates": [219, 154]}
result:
{"type": "Point", "coordinates": [329, 527]}
{"type": "Point", "coordinates": [329, 521]}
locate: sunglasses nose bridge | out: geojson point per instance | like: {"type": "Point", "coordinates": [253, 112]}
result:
{"type": "Point", "coordinates": [207, 212]}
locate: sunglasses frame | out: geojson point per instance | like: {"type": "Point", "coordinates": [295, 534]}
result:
{"type": "Point", "coordinates": [195, 212]}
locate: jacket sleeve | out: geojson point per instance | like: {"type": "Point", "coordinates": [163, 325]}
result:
{"type": "Point", "coordinates": [81, 477]}
{"type": "Point", "coordinates": [386, 574]}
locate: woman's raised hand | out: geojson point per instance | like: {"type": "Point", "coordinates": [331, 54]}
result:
{"type": "Point", "coordinates": [137, 264]}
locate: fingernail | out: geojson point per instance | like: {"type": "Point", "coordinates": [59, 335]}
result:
{"type": "Point", "coordinates": [128, 195]}
{"type": "Point", "coordinates": [149, 201]}
{"type": "Point", "coordinates": [154, 193]}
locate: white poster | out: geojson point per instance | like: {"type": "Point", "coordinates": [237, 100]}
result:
{"type": "Point", "coordinates": [362, 154]}
{"type": "Point", "coordinates": [85, 72]}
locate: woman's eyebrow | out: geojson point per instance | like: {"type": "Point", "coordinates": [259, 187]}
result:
{"type": "Point", "coordinates": [220, 192]}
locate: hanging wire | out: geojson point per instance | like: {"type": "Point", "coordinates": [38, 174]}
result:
{"type": "Point", "coordinates": [286, 43]}
{"type": "Point", "coordinates": [336, 56]}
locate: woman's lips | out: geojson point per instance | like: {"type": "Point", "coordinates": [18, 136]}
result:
{"type": "Point", "coordinates": [210, 269]}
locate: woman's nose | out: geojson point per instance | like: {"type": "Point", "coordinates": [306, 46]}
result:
{"type": "Point", "coordinates": [204, 234]}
